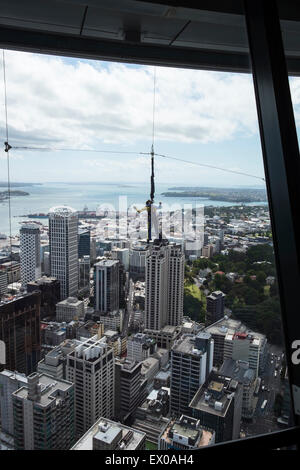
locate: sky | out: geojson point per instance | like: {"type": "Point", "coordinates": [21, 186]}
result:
{"type": "Point", "coordinates": [202, 116]}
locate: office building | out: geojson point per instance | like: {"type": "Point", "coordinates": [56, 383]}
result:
{"type": "Point", "coordinates": [241, 372]}
{"type": "Point", "coordinates": [140, 346]}
{"type": "Point", "coordinates": [9, 382]}
{"type": "Point", "coordinates": [166, 337]}
{"type": "Point", "coordinates": [246, 346]}
{"type": "Point", "coordinates": [84, 275]}
{"type": "Point", "coordinates": [69, 309]}
{"type": "Point", "coordinates": [3, 282]}
{"type": "Point", "coordinates": [54, 362]}
{"type": "Point", "coordinates": [44, 414]}
{"type": "Point", "coordinates": [109, 435]}
{"type": "Point", "coordinates": [156, 280]}
{"type": "Point", "coordinates": [150, 416]}
{"type": "Point", "coordinates": [20, 331]}
{"type": "Point", "coordinates": [175, 285]}
{"type": "Point", "coordinates": [137, 262]}
{"type": "Point", "coordinates": [13, 271]}
{"type": "Point", "coordinates": [208, 251]}
{"type": "Point", "coordinates": [110, 320]}
{"type": "Point", "coordinates": [191, 363]}
{"type": "Point", "coordinates": [185, 433]}
{"type": "Point", "coordinates": [63, 238]}
{"type": "Point", "coordinates": [218, 405]}
{"type": "Point", "coordinates": [91, 368]}
{"type": "Point", "coordinates": [127, 388]}
{"type": "Point", "coordinates": [49, 287]}
{"type": "Point", "coordinates": [215, 303]}
{"type": "Point", "coordinates": [121, 254]}
{"type": "Point", "coordinates": [84, 243]}
{"type": "Point", "coordinates": [52, 335]}
{"type": "Point", "coordinates": [106, 286]}
{"type": "Point", "coordinates": [30, 255]}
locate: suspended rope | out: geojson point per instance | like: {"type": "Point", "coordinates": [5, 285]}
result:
{"type": "Point", "coordinates": [211, 166]}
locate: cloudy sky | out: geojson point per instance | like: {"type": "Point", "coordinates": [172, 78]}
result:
{"type": "Point", "coordinates": [202, 116]}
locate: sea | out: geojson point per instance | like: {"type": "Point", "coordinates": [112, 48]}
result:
{"type": "Point", "coordinates": [91, 196]}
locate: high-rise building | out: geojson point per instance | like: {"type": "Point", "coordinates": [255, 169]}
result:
{"type": "Point", "coordinates": [49, 287]}
{"type": "Point", "coordinates": [91, 368]}
{"type": "Point", "coordinates": [3, 282]}
{"type": "Point", "coordinates": [20, 331]}
{"type": "Point", "coordinates": [44, 414]}
{"type": "Point", "coordinates": [30, 255]}
{"type": "Point", "coordinates": [156, 298]}
{"type": "Point", "coordinates": [84, 275]}
{"type": "Point", "coordinates": [175, 284]}
{"type": "Point", "coordinates": [215, 303]}
{"type": "Point", "coordinates": [63, 238]}
{"type": "Point", "coordinates": [106, 286]}
{"type": "Point", "coordinates": [218, 405]}
{"type": "Point", "coordinates": [164, 286]}
{"type": "Point", "coordinates": [137, 262]}
{"type": "Point", "coordinates": [84, 243]}
{"type": "Point", "coordinates": [127, 388]}
{"type": "Point", "coordinates": [9, 383]}
{"type": "Point", "coordinates": [191, 363]}
{"type": "Point", "coordinates": [121, 254]}
{"type": "Point", "coordinates": [109, 435]}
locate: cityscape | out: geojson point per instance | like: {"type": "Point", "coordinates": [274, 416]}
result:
{"type": "Point", "coordinates": [117, 338]}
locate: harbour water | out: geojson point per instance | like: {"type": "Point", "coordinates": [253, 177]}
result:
{"type": "Point", "coordinates": [92, 195]}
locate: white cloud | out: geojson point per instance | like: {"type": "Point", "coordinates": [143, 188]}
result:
{"type": "Point", "coordinates": [56, 103]}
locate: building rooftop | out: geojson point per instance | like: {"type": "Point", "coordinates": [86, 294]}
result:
{"type": "Point", "coordinates": [215, 395]}
{"type": "Point", "coordinates": [238, 370]}
{"type": "Point", "coordinates": [106, 430]}
{"type": "Point", "coordinates": [187, 431]}
{"type": "Point", "coordinates": [63, 211]}
{"type": "Point", "coordinates": [50, 390]}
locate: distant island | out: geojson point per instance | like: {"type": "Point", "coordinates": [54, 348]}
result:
{"type": "Point", "coordinates": [242, 195]}
{"type": "Point", "coordinates": [4, 194]}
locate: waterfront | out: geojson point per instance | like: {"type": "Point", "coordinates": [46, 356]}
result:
{"type": "Point", "coordinates": [43, 196]}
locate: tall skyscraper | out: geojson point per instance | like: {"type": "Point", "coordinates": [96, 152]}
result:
{"type": "Point", "coordinates": [107, 288]}
{"type": "Point", "coordinates": [20, 331]}
{"type": "Point", "coordinates": [175, 284]}
{"type": "Point", "coordinates": [84, 243]}
{"type": "Point", "coordinates": [91, 368]}
{"type": "Point", "coordinates": [191, 363]}
{"type": "Point", "coordinates": [30, 253]}
{"type": "Point", "coordinates": [63, 238]}
{"type": "Point", "coordinates": [164, 285]}
{"type": "Point", "coordinates": [44, 414]}
{"type": "Point", "coordinates": [156, 298]}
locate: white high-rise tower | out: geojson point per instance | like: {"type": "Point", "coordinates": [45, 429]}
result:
{"type": "Point", "coordinates": [164, 285]}
{"type": "Point", "coordinates": [156, 277]}
{"type": "Point", "coordinates": [30, 253]}
{"type": "Point", "coordinates": [175, 284]}
{"type": "Point", "coordinates": [63, 238]}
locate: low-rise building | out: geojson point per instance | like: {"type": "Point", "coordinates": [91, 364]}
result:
{"type": "Point", "coordinates": [185, 433]}
{"type": "Point", "coordinates": [109, 435]}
